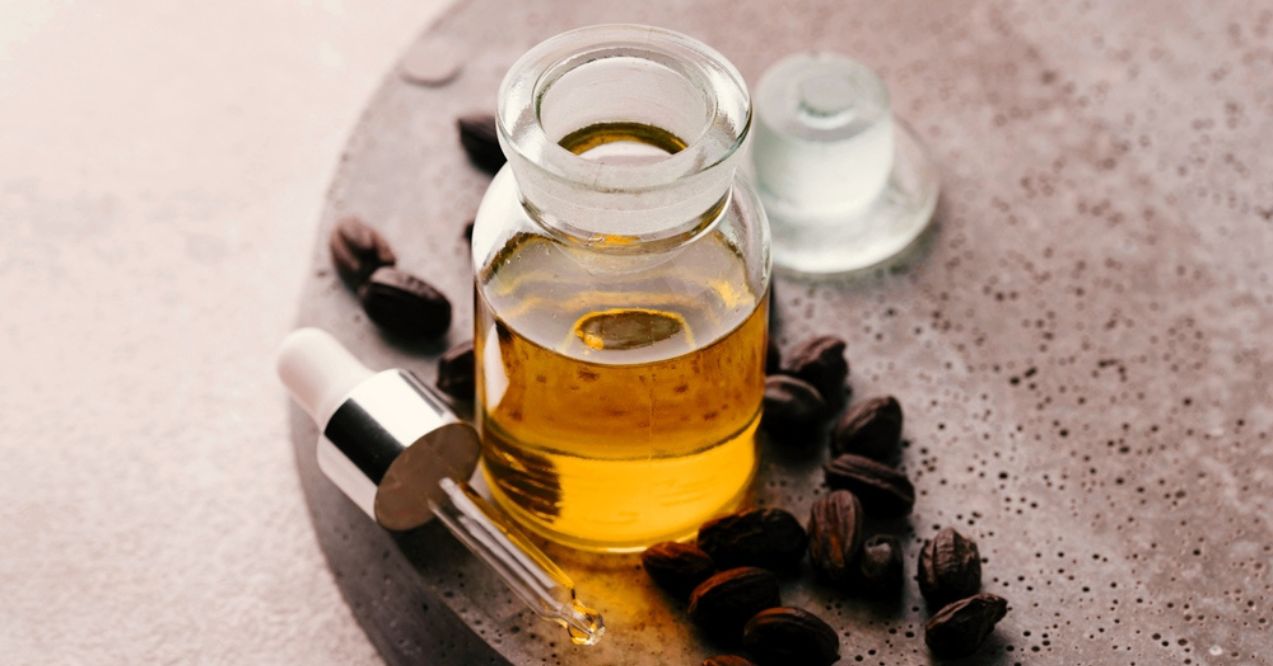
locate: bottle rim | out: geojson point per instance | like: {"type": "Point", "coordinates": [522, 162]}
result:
{"type": "Point", "coordinates": [524, 138]}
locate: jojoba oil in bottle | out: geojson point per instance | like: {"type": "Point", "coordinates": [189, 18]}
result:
{"type": "Point", "coordinates": [622, 292]}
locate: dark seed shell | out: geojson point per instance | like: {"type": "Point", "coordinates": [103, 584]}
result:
{"type": "Point", "coordinates": [722, 604]}
{"type": "Point", "coordinates": [880, 566]}
{"type": "Point", "coordinates": [773, 357]}
{"type": "Point", "coordinates": [872, 428]}
{"type": "Point", "coordinates": [961, 627]}
{"type": "Point", "coordinates": [677, 567]}
{"type": "Point", "coordinates": [883, 490]}
{"type": "Point", "coordinates": [481, 141]}
{"type": "Point", "coordinates": [949, 568]}
{"type": "Point", "coordinates": [783, 636]}
{"type": "Point", "coordinates": [792, 406]}
{"type": "Point", "coordinates": [836, 530]}
{"type": "Point", "coordinates": [820, 361]}
{"type": "Point", "coordinates": [358, 250]}
{"type": "Point", "coordinates": [769, 538]}
{"type": "Point", "coordinates": [456, 372]}
{"type": "Point", "coordinates": [405, 305]}
{"type": "Point", "coordinates": [728, 660]}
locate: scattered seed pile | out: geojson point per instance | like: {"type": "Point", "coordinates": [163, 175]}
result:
{"type": "Point", "coordinates": [729, 574]}
{"type": "Point", "coordinates": [400, 304]}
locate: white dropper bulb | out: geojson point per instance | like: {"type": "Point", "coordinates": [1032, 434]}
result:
{"type": "Point", "coordinates": [319, 372]}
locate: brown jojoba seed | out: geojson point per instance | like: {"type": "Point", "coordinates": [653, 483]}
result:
{"type": "Point", "coordinates": [959, 628]}
{"type": "Point", "coordinates": [358, 250]}
{"type": "Point", "coordinates": [792, 406]}
{"type": "Point", "coordinates": [872, 428]}
{"type": "Point", "coordinates": [405, 305]}
{"type": "Point", "coordinates": [456, 376]}
{"type": "Point", "coordinates": [880, 567]}
{"type": "Point", "coordinates": [769, 538]}
{"type": "Point", "coordinates": [836, 530]}
{"type": "Point", "coordinates": [722, 604]}
{"type": "Point", "coordinates": [481, 141]}
{"type": "Point", "coordinates": [677, 567]}
{"type": "Point", "coordinates": [791, 636]}
{"type": "Point", "coordinates": [820, 361]}
{"type": "Point", "coordinates": [883, 490]}
{"type": "Point", "coordinates": [773, 357]}
{"type": "Point", "coordinates": [949, 568]}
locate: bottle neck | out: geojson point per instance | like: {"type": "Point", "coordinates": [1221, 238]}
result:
{"type": "Point", "coordinates": [624, 219]}
{"type": "Point", "coordinates": [623, 136]}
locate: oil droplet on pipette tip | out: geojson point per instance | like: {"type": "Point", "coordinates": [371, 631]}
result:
{"type": "Point", "coordinates": [584, 625]}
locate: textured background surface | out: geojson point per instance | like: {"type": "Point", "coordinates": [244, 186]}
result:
{"type": "Point", "coordinates": [1082, 348]}
{"type": "Point", "coordinates": [161, 168]}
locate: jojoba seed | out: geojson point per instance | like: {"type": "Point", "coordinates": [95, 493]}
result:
{"type": "Point", "coordinates": [722, 604]}
{"type": "Point", "coordinates": [882, 489]}
{"type": "Point", "coordinates": [481, 141]}
{"type": "Point", "coordinates": [456, 372]}
{"type": "Point", "coordinates": [872, 428]}
{"type": "Point", "coordinates": [677, 567]}
{"type": "Point", "coordinates": [784, 636]}
{"type": "Point", "coordinates": [836, 530]}
{"type": "Point", "coordinates": [958, 629]}
{"type": "Point", "coordinates": [949, 568]}
{"type": "Point", "coordinates": [769, 538]}
{"type": "Point", "coordinates": [358, 250]}
{"type": "Point", "coordinates": [405, 305]}
{"type": "Point", "coordinates": [820, 362]}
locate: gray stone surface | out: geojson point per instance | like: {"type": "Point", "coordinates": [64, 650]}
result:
{"type": "Point", "coordinates": [1082, 345]}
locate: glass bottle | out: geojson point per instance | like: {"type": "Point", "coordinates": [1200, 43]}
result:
{"type": "Point", "coordinates": [622, 290]}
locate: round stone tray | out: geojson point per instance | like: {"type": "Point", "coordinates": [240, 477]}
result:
{"type": "Point", "coordinates": [1082, 343]}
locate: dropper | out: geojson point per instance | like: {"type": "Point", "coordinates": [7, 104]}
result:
{"type": "Point", "coordinates": [396, 449]}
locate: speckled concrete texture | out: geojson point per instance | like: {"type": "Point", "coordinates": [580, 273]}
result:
{"type": "Point", "coordinates": [1082, 346]}
{"type": "Point", "coordinates": [162, 167]}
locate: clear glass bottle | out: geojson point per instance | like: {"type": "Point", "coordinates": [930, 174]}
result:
{"type": "Point", "coordinates": [622, 290]}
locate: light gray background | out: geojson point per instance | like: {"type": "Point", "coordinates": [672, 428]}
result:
{"type": "Point", "coordinates": [162, 165]}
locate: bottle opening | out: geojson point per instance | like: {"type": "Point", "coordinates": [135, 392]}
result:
{"type": "Point", "coordinates": [623, 131]}
{"type": "Point", "coordinates": [622, 143]}
{"type": "Point", "coordinates": [641, 103]}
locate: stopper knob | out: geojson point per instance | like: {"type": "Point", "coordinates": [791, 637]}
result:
{"type": "Point", "coordinates": [844, 183]}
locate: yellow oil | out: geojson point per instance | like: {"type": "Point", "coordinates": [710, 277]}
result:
{"type": "Point", "coordinates": [612, 455]}
{"type": "Point", "coordinates": [618, 397]}
{"type": "Point", "coordinates": [584, 140]}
